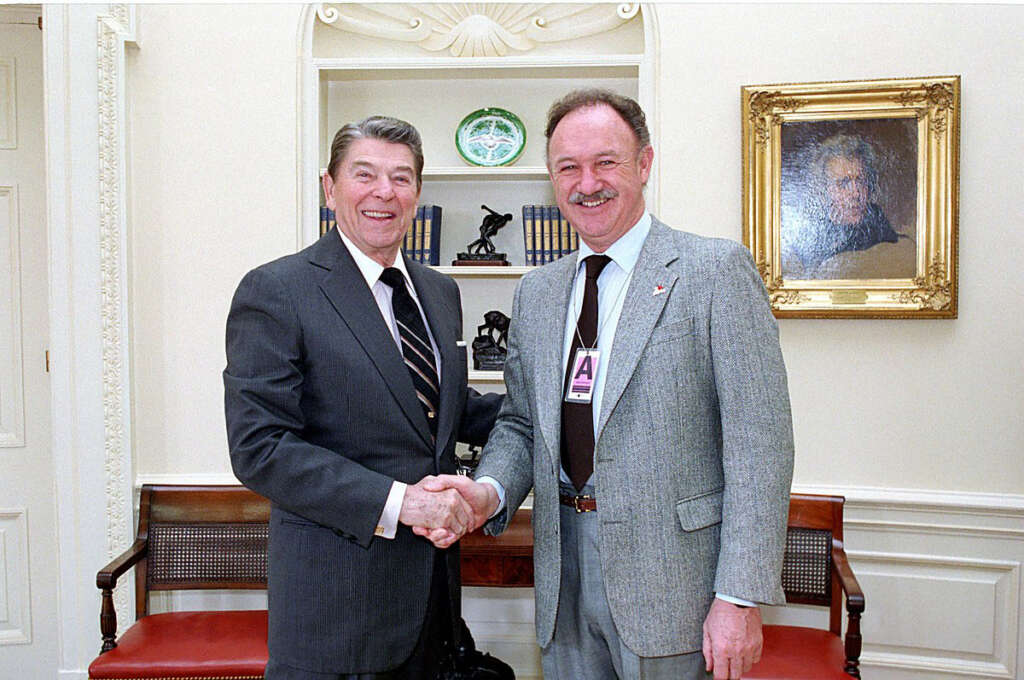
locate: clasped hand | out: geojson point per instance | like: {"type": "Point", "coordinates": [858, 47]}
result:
{"type": "Point", "coordinates": [445, 508]}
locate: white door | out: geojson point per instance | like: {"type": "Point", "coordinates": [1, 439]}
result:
{"type": "Point", "coordinates": [28, 543]}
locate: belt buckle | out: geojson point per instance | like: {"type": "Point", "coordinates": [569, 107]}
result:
{"type": "Point", "coordinates": [576, 502]}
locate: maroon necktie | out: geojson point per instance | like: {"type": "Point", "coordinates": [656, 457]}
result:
{"type": "Point", "coordinates": [578, 419]}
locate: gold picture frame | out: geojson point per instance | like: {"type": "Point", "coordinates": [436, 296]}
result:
{"type": "Point", "coordinates": [850, 196]}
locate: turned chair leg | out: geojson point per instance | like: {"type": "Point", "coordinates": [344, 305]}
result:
{"type": "Point", "coordinates": [853, 642]}
{"type": "Point", "coordinates": [108, 621]}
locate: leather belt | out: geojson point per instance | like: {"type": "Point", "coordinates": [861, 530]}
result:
{"type": "Point", "coordinates": [582, 503]}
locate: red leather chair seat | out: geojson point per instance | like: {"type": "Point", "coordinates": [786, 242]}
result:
{"type": "Point", "coordinates": [793, 653]}
{"type": "Point", "coordinates": [188, 645]}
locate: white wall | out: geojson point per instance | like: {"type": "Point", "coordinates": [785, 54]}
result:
{"type": "Point", "coordinates": [915, 404]}
{"type": "Point", "coordinates": [880, 406]}
{"type": "Point", "coordinates": [213, 150]}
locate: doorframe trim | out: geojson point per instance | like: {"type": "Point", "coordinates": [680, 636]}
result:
{"type": "Point", "coordinates": [90, 378]}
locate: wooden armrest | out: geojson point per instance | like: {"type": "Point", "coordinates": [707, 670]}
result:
{"type": "Point", "coordinates": [854, 608]}
{"type": "Point", "coordinates": [854, 595]}
{"type": "Point", "coordinates": [108, 575]}
{"type": "Point", "coordinates": [106, 579]}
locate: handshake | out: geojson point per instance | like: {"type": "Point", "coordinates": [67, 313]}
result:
{"type": "Point", "coordinates": [445, 508]}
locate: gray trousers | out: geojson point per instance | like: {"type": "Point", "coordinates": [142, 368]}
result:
{"type": "Point", "coordinates": [586, 643]}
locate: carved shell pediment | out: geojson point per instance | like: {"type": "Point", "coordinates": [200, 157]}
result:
{"type": "Point", "coordinates": [476, 30]}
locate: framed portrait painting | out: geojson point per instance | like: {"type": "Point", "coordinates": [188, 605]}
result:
{"type": "Point", "coordinates": [850, 196]}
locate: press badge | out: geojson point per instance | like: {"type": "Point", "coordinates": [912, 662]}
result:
{"type": "Point", "coordinates": [583, 376]}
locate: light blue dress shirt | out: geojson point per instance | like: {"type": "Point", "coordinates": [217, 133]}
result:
{"type": "Point", "coordinates": [611, 293]}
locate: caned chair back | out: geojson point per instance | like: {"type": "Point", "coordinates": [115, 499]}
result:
{"type": "Point", "coordinates": [808, 573]}
{"type": "Point", "coordinates": [201, 538]}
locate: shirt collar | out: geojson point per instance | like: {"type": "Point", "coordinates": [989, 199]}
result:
{"type": "Point", "coordinates": [371, 269]}
{"type": "Point", "coordinates": [625, 251]}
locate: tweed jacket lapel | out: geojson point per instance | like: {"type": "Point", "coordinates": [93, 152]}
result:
{"type": "Point", "coordinates": [347, 292]}
{"type": "Point", "coordinates": [549, 335]}
{"type": "Point", "coordinates": [440, 319]}
{"type": "Point", "coordinates": [640, 311]}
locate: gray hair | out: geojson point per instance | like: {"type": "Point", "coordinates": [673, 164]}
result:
{"type": "Point", "coordinates": [383, 128]}
{"type": "Point", "coordinates": [843, 146]}
{"type": "Point", "coordinates": [628, 110]}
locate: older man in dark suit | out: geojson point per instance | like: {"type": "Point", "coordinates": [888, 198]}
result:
{"type": "Point", "coordinates": [345, 390]}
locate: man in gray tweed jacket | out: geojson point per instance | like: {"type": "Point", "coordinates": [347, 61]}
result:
{"type": "Point", "coordinates": [654, 547]}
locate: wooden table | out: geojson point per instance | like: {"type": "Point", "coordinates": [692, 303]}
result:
{"type": "Point", "coordinates": [503, 561]}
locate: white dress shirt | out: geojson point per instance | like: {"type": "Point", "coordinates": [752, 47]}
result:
{"type": "Point", "coordinates": [371, 270]}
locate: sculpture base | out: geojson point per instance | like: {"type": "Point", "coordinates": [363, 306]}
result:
{"type": "Point", "coordinates": [489, 364]}
{"type": "Point", "coordinates": [486, 260]}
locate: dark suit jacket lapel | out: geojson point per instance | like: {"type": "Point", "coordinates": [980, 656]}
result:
{"type": "Point", "coordinates": [440, 318]}
{"type": "Point", "coordinates": [347, 291]}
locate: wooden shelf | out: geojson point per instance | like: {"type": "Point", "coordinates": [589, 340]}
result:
{"type": "Point", "coordinates": [485, 376]}
{"type": "Point", "coordinates": [475, 173]}
{"type": "Point", "coordinates": [469, 172]}
{"type": "Point", "coordinates": [484, 272]}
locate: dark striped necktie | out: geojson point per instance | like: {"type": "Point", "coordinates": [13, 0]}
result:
{"type": "Point", "coordinates": [416, 349]}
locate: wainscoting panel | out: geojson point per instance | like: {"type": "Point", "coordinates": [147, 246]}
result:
{"type": "Point", "coordinates": [15, 614]}
{"type": "Point", "coordinates": [8, 103]}
{"type": "Point", "coordinates": [12, 387]}
{"type": "Point", "coordinates": [941, 573]}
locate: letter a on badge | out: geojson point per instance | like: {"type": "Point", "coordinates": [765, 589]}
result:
{"type": "Point", "coordinates": [584, 370]}
{"type": "Point", "coordinates": [583, 376]}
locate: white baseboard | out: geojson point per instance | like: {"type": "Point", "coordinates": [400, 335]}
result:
{"type": "Point", "coordinates": [193, 479]}
{"type": "Point", "coordinates": [921, 499]}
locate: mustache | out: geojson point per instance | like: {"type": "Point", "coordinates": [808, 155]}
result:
{"type": "Point", "coordinates": [578, 197]}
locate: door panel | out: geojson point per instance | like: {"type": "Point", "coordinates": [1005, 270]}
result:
{"type": "Point", "coordinates": [28, 544]}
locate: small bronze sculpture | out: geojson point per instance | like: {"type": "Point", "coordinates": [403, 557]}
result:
{"type": "Point", "coordinates": [488, 228]}
{"type": "Point", "coordinates": [489, 351]}
{"type": "Point", "coordinates": [465, 465]}
{"type": "Point", "coordinates": [481, 251]}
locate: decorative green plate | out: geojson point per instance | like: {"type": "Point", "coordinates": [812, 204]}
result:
{"type": "Point", "coordinates": [490, 137]}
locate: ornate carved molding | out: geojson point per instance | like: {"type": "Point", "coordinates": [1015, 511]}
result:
{"type": "Point", "coordinates": [763, 112]}
{"type": "Point", "coordinates": [122, 15]}
{"type": "Point", "coordinates": [112, 33]}
{"type": "Point", "coordinates": [776, 293]}
{"type": "Point", "coordinates": [936, 99]}
{"type": "Point", "coordinates": [476, 30]}
{"type": "Point", "coordinates": [934, 290]}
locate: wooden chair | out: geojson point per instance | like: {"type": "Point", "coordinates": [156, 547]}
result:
{"type": "Point", "coordinates": [215, 537]}
{"type": "Point", "coordinates": [815, 571]}
{"type": "Point", "coordinates": [199, 537]}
